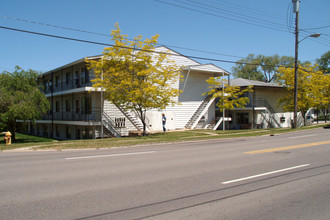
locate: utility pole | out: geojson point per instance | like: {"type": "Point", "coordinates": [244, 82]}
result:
{"type": "Point", "coordinates": [296, 10]}
{"type": "Point", "coordinates": [102, 103]}
{"type": "Point", "coordinates": [223, 110]}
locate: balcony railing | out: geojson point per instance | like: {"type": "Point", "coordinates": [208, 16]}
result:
{"type": "Point", "coordinates": [63, 84]}
{"type": "Point", "coordinates": [257, 103]}
{"type": "Point", "coordinates": [93, 115]}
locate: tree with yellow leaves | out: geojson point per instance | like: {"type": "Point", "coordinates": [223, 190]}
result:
{"type": "Point", "coordinates": [135, 77]}
{"type": "Point", "coordinates": [313, 88]}
{"type": "Point", "coordinates": [230, 96]}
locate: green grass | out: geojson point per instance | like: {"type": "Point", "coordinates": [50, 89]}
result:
{"type": "Point", "coordinates": [23, 140]}
{"type": "Point", "coordinates": [38, 143]}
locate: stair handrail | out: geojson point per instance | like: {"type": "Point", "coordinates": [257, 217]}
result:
{"type": "Point", "coordinates": [206, 108]}
{"type": "Point", "coordinates": [111, 124]}
{"type": "Point", "coordinates": [147, 120]}
{"type": "Point", "coordinates": [128, 117]}
{"type": "Point", "coordinates": [194, 116]}
{"type": "Point", "coordinates": [273, 114]}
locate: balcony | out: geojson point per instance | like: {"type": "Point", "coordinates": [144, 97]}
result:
{"type": "Point", "coordinates": [67, 84]}
{"type": "Point", "coordinates": [93, 115]}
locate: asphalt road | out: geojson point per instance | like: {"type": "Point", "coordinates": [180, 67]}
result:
{"type": "Point", "coordinates": [270, 177]}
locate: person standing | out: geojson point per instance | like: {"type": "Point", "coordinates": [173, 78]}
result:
{"type": "Point", "coordinates": [164, 121]}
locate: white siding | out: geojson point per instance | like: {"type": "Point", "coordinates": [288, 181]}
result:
{"type": "Point", "coordinates": [114, 112]}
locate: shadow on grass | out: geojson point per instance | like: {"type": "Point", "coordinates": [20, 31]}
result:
{"type": "Point", "coordinates": [24, 139]}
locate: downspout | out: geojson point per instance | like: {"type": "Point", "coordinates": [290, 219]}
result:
{"type": "Point", "coordinates": [52, 106]}
{"type": "Point", "coordinates": [72, 78]}
{"type": "Point", "coordinates": [102, 102]}
{"type": "Point", "coordinates": [72, 107]}
{"type": "Point", "coordinates": [62, 108]}
{"type": "Point", "coordinates": [223, 110]}
{"type": "Point", "coordinates": [253, 110]}
{"type": "Point", "coordinates": [72, 102]}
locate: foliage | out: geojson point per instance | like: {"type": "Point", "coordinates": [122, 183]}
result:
{"type": "Point", "coordinates": [134, 77]}
{"type": "Point", "coordinates": [324, 62]}
{"type": "Point", "coordinates": [313, 88]}
{"type": "Point", "coordinates": [20, 98]}
{"type": "Point", "coordinates": [261, 67]}
{"type": "Point", "coordinates": [230, 96]}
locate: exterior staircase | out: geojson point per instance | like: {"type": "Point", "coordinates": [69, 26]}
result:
{"type": "Point", "coordinates": [197, 115]}
{"type": "Point", "coordinates": [270, 116]}
{"type": "Point", "coordinates": [110, 127]}
{"type": "Point", "coordinates": [119, 122]}
{"type": "Point", "coordinates": [133, 118]}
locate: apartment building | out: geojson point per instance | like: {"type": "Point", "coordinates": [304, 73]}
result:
{"type": "Point", "coordinates": [78, 111]}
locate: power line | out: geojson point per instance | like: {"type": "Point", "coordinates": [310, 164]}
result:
{"type": "Point", "coordinates": [289, 18]}
{"type": "Point", "coordinates": [112, 45]}
{"type": "Point", "coordinates": [255, 11]}
{"type": "Point", "coordinates": [231, 13]}
{"type": "Point", "coordinates": [327, 26]}
{"type": "Point", "coordinates": [108, 35]}
{"type": "Point", "coordinates": [219, 16]}
{"type": "Point", "coordinates": [322, 9]}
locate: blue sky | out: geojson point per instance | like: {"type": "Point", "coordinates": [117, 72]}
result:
{"type": "Point", "coordinates": [229, 30]}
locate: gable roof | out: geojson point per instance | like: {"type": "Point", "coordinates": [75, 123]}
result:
{"type": "Point", "coordinates": [207, 68]}
{"type": "Point", "coordinates": [185, 61]}
{"type": "Point", "coordinates": [247, 82]}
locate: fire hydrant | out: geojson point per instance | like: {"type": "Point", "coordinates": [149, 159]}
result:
{"type": "Point", "coordinates": [8, 138]}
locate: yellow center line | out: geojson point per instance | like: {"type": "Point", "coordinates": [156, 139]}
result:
{"type": "Point", "coordinates": [287, 148]}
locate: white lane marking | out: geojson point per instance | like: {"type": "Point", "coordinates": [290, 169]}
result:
{"type": "Point", "coordinates": [110, 155]}
{"type": "Point", "coordinates": [309, 135]}
{"type": "Point", "coordinates": [264, 174]}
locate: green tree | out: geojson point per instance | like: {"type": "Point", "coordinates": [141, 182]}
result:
{"type": "Point", "coordinates": [324, 62]}
{"type": "Point", "coordinates": [230, 96]}
{"type": "Point", "coordinates": [135, 78]}
{"type": "Point", "coordinates": [248, 68]}
{"type": "Point", "coordinates": [20, 98]}
{"type": "Point", "coordinates": [261, 67]}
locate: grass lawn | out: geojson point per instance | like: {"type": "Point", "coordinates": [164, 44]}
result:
{"type": "Point", "coordinates": [23, 140]}
{"type": "Point", "coordinates": [38, 143]}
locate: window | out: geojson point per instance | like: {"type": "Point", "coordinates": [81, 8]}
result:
{"type": "Point", "coordinates": [84, 132]}
{"type": "Point", "coordinates": [88, 80]}
{"type": "Point", "coordinates": [67, 105]}
{"type": "Point", "coordinates": [67, 78]}
{"type": "Point", "coordinates": [82, 76]}
{"type": "Point", "coordinates": [77, 79]}
{"type": "Point", "coordinates": [57, 81]}
{"type": "Point", "coordinates": [87, 133]}
{"type": "Point", "coordinates": [77, 106]}
{"type": "Point", "coordinates": [120, 122]}
{"type": "Point", "coordinates": [45, 131]}
{"type": "Point", "coordinates": [46, 86]}
{"type": "Point", "coordinates": [50, 86]}
{"type": "Point", "coordinates": [67, 132]}
{"type": "Point", "coordinates": [57, 106]}
{"type": "Point", "coordinates": [83, 106]}
{"type": "Point", "coordinates": [242, 118]}
{"type": "Point", "coordinates": [90, 133]}
{"type": "Point", "coordinates": [57, 131]}
{"type": "Point", "coordinates": [88, 105]}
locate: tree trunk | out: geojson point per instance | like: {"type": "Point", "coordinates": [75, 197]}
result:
{"type": "Point", "coordinates": [143, 120]}
{"type": "Point", "coordinates": [144, 123]}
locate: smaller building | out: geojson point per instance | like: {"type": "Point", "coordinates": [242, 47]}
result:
{"type": "Point", "coordinates": [263, 110]}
